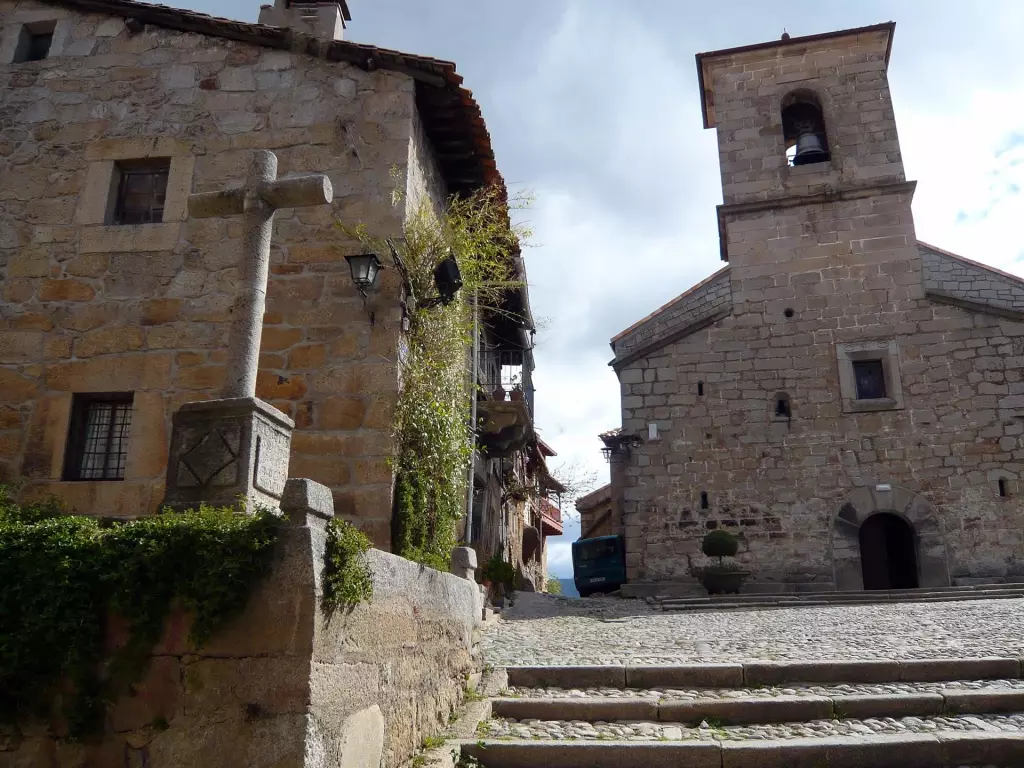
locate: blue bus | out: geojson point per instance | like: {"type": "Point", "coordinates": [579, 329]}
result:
{"type": "Point", "coordinates": [599, 564]}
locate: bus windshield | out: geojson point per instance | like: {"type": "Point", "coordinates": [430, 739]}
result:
{"type": "Point", "coordinates": [598, 549]}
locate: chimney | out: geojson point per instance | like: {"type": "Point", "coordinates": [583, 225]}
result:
{"type": "Point", "coordinates": [320, 19]}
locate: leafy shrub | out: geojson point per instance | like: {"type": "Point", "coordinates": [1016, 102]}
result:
{"type": "Point", "coordinates": [554, 586]}
{"type": "Point", "coordinates": [497, 571]}
{"type": "Point", "coordinates": [63, 576]}
{"type": "Point", "coordinates": [719, 544]}
{"type": "Point", "coordinates": [347, 579]}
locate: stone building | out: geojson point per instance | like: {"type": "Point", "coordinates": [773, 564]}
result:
{"type": "Point", "coordinates": [597, 513]}
{"type": "Point", "coordinates": [115, 302]}
{"type": "Point", "coordinates": [846, 399]}
{"type": "Point", "coordinates": [511, 513]}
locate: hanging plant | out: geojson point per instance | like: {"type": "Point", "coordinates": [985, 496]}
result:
{"type": "Point", "coordinates": [433, 434]}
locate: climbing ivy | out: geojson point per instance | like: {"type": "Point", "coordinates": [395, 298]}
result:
{"type": "Point", "coordinates": [432, 418]}
{"type": "Point", "coordinates": [347, 579]}
{"type": "Point", "coordinates": [62, 577]}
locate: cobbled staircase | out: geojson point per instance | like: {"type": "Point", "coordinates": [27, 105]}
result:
{"type": "Point", "coordinates": [931, 713]}
{"type": "Point", "coordinates": [791, 599]}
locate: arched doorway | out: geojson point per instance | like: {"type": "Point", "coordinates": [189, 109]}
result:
{"type": "Point", "coordinates": [925, 557]}
{"type": "Point", "coordinates": [888, 554]}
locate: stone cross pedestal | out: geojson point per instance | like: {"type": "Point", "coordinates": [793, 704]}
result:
{"type": "Point", "coordinates": [238, 447]}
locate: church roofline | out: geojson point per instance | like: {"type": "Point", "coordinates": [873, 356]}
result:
{"type": "Point", "coordinates": [594, 498]}
{"type": "Point", "coordinates": [703, 58]}
{"type": "Point", "coordinates": [972, 262]}
{"type": "Point", "coordinates": [451, 116]}
{"type": "Point", "coordinates": [669, 303]}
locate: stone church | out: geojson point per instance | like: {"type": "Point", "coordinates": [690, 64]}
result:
{"type": "Point", "coordinates": [848, 400]}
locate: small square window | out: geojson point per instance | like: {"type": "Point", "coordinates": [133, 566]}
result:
{"type": "Point", "coordinates": [98, 436]}
{"type": "Point", "coordinates": [34, 42]}
{"type": "Point", "coordinates": [869, 376]}
{"type": "Point", "coordinates": [141, 191]}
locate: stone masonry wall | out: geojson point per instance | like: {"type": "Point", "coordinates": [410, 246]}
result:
{"type": "Point", "coordinates": [780, 483]}
{"type": "Point", "coordinates": [824, 265]}
{"type": "Point", "coordinates": [969, 284]}
{"type": "Point", "coordinates": [284, 685]}
{"type": "Point", "coordinates": [704, 301]}
{"type": "Point", "coordinates": [89, 307]}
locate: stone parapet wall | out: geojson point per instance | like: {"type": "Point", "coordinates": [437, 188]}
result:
{"type": "Point", "coordinates": [90, 307]}
{"type": "Point", "coordinates": [961, 281]}
{"type": "Point", "coordinates": [283, 685]}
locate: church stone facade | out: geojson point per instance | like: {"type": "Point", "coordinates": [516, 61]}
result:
{"type": "Point", "coordinates": [847, 400]}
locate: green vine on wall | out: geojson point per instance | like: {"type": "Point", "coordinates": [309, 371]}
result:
{"type": "Point", "coordinates": [347, 579]}
{"type": "Point", "coordinates": [432, 418]}
{"type": "Point", "coordinates": [62, 577]}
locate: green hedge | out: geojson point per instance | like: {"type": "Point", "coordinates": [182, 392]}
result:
{"type": "Point", "coordinates": [62, 576]}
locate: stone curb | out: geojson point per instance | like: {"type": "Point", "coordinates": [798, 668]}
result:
{"type": "Point", "coordinates": [861, 706]}
{"type": "Point", "coordinates": [942, 750]}
{"type": "Point", "coordinates": [763, 710]}
{"type": "Point", "coordinates": [878, 751]}
{"type": "Point", "coordinates": [612, 676]}
{"type": "Point", "coordinates": [988, 749]}
{"type": "Point", "coordinates": [937, 670]}
{"type": "Point", "coordinates": [782, 672]}
{"type": "Point", "coordinates": [590, 754]}
{"type": "Point", "coordinates": [754, 673]}
{"type": "Point", "coordinates": [686, 676]}
{"type": "Point", "coordinates": [990, 702]}
{"type": "Point", "coordinates": [577, 709]}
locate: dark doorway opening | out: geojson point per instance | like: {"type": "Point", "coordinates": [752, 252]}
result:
{"type": "Point", "coordinates": [887, 553]}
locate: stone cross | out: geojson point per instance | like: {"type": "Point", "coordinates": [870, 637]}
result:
{"type": "Point", "coordinates": [262, 194]}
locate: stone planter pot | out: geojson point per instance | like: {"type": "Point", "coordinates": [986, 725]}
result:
{"type": "Point", "coordinates": [722, 582]}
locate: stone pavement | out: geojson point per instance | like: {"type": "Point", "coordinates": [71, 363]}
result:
{"type": "Point", "coordinates": [615, 682]}
{"type": "Point", "coordinates": [546, 630]}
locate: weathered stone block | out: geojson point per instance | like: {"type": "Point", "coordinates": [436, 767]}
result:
{"type": "Point", "coordinates": [225, 449]}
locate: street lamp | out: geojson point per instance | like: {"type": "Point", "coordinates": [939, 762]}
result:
{"type": "Point", "coordinates": [365, 267]}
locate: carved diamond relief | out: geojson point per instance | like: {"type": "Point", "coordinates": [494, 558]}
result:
{"type": "Point", "coordinates": [212, 461]}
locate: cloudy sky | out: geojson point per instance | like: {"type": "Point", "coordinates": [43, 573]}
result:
{"type": "Point", "coordinates": [592, 105]}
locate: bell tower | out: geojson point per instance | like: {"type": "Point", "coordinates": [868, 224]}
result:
{"type": "Point", "coordinates": [815, 197]}
{"type": "Point", "coordinates": [320, 18]}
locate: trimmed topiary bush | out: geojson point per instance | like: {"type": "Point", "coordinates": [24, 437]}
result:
{"type": "Point", "coordinates": [720, 544]}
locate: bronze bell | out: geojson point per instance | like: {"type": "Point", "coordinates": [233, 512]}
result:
{"type": "Point", "coordinates": [809, 150]}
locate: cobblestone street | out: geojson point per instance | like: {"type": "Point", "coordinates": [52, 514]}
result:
{"type": "Point", "coordinates": [543, 630]}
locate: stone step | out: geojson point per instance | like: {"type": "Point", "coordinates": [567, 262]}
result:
{"type": "Point", "coordinates": [758, 673]}
{"type": "Point", "coordinates": [771, 705]}
{"type": "Point", "coordinates": [940, 748]}
{"type": "Point", "coordinates": [824, 594]}
{"type": "Point", "coordinates": [775, 604]}
{"type": "Point", "coordinates": [838, 598]}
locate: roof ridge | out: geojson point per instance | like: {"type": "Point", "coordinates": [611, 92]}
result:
{"type": "Point", "coordinates": [439, 86]}
{"type": "Point", "coordinates": [669, 303]}
{"type": "Point", "coordinates": [972, 262]}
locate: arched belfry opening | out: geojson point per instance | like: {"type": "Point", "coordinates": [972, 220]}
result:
{"type": "Point", "coordinates": [888, 552]}
{"type": "Point", "coordinates": [803, 128]}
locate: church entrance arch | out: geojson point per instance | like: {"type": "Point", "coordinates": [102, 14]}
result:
{"type": "Point", "coordinates": [888, 537]}
{"type": "Point", "coordinates": [888, 552]}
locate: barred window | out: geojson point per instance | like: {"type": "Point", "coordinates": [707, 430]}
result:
{"type": "Point", "coordinates": [141, 191]}
{"type": "Point", "coordinates": [98, 436]}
